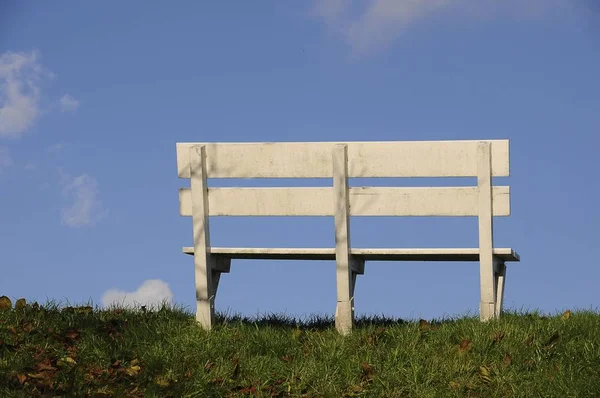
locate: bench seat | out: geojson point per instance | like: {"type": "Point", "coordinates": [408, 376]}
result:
{"type": "Point", "coordinates": [252, 253]}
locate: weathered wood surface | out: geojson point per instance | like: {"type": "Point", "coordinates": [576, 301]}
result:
{"type": "Point", "coordinates": [365, 159]}
{"type": "Point", "coordinates": [364, 201]}
{"type": "Point", "coordinates": [427, 254]}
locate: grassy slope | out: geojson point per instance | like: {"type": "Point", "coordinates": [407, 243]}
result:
{"type": "Point", "coordinates": [85, 352]}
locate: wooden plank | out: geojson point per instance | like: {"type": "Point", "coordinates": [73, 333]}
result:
{"type": "Point", "coordinates": [427, 254]}
{"type": "Point", "coordinates": [487, 307]}
{"type": "Point", "coordinates": [424, 201]}
{"type": "Point", "coordinates": [364, 201]}
{"type": "Point", "coordinates": [344, 311]}
{"type": "Point", "coordinates": [366, 159]}
{"type": "Point", "coordinates": [265, 201]}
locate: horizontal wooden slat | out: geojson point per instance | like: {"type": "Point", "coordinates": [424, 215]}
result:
{"type": "Point", "coordinates": [257, 253]}
{"type": "Point", "coordinates": [367, 201]}
{"type": "Point", "coordinates": [365, 159]}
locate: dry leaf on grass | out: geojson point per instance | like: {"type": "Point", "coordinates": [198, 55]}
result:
{"type": "Point", "coordinates": [5, 303]}
{"type": "Point", "coordinates": [484, 374]}
{"type": "Point", "coordinates": [20, 304]}
{"type": "Point", "coordinates": [465, 345]}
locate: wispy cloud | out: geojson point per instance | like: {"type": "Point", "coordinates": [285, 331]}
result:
{"type": "Point", "coordinates": [56, 147]}
{"type": "Point", "coordinates": [380, 22]}
{"type": "Point", "coordinates": [151, 293]}
{"type": "Point", "coordinates": [20, 78]}
{"type": "Point", "coordinates": [85, 207]}
{"type": "Point", "coordinates": [68, 103]}
{"type": "Point", "coordinates": [5, 158]}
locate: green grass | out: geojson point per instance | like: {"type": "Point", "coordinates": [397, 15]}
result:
{"type": "Point", "coordinates": [80, 351]}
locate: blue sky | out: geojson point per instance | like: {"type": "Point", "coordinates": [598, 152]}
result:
{"type": "Point", "coordinates": [94, 96]}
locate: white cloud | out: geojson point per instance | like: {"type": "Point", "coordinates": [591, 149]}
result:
{"type": "Point", "coordinates": [5, 158]}
{"type": "Point", "coordinates": [68, 103]}
{"type": "Point", "coordinates": [56, 147]}
{"type": "Point", "coordinates": [20, 76]}
{"type": "Point", "coordinates": [151, 293]}
{"type": "Point", "coordinates": [85, 208]}
{"type": "Point", "coordinates": [382, 21]}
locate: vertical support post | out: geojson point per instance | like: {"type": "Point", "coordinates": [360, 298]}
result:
{"type": "Point", "coordinates": [500, 277]}
{"type": "Point", "coordinates": [205, 309]}
{"type": "Point", "coordinates": [344, 312]}
{"type": "Point", "coordinates": [487, 305]}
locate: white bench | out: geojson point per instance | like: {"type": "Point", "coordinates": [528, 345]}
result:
{"type": "Point", "coordinates": [340, 161]}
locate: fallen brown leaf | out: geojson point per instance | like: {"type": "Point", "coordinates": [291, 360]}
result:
{"type": "Point", "coordinates": [71, 333]}
{"type": "Point", "coordinates": [72, 351]}
{"type": "Point", "coordinates": [5, 303]}
{"type": "Point", "coordinates": [162, 381]}
{"type": "Point", "coordinates": [104, 391]}
{"type": "Point", "coordinates": [465, 345]}
{"type": "Point", "coordinates": [484, 374]}
{"type": "Point", "coordinates": [40, 375]}
{"type": "Point", "coordinates": [507, 360]}
{"type": "Point", "coordinates": [45, 367]}
{"type": "Point", "coordinates": [454, 385]}
{"type": "Point", "coordinates": [208, 366]}
{"type": "Point", "coordinates": [27, 327]}
{"type": "Point", "coordinates": [367, 371]}
{"type": "Point", "coordinates": [20, 304]}
{"type": "Point", "coordinates": [132, 370]}
{"type": "Point", "coordinates": [66, 362]}
{"type": "Point", "coordinates": [39, 353]}
{"type": "Point", "coordinates": [498, 336]}
{"type": "Point", "coordinates": [248, 390]}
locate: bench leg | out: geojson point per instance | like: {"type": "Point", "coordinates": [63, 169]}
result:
{"type": "Point", "coordinates": [487, 304]}
{"type": "Point", "coordinates": [345, 275]}
{"type": "Point", "coordinates": [494, 290]}
{"type": "Point", "coordinates": [344, 310]}
{"type": "Point", "coordinates": [207, 284]}
{"type": "Point", "coordinates": [204, 263]}
{"type": "Point", "coordinates": [500, 277]}
{"type": "Point", "coordinates": [346, 281]}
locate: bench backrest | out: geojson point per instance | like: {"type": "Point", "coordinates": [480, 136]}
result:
{"type": "Point", "coordinates": [342, 160]}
